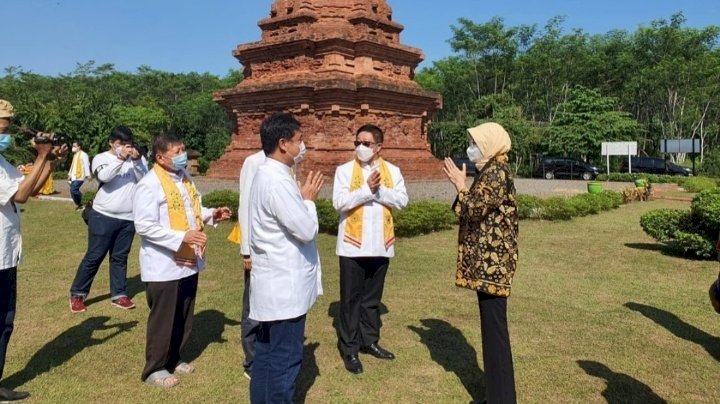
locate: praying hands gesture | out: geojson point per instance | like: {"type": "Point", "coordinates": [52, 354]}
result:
{"type": "Point", "coordinates": [373, 181]}
{"type": "Point", "coordinates": [312, 186]}
{"type": "Point", "coordinates": [454, 174]}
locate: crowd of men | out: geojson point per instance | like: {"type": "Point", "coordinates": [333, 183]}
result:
{"type": "Point", "coordinates": [278, 226]}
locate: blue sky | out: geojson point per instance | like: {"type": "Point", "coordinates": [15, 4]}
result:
{"type": "Point", "coordinates": [50, 36]}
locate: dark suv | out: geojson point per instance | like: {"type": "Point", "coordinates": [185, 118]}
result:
{"type": "Point", "coordinates": [564, 167]}
{"type": "Point", "coordinates": [653, 165]}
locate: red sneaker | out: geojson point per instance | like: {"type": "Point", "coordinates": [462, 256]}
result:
{"type": "Point", "coordinates": [77, 304]}
{"type": "Point", "coordinates": [124, 303]}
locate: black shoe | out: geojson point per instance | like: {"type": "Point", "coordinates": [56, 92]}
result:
{"type": "Point", "coordinates": [353, 364]}
{"type": "Point", "coordinates": [10, 395]}
{"type": "Point", "coordinates": [376, 351]}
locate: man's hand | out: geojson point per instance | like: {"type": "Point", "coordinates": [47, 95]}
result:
{"type": "Point", "coordinates": [221, 214]}
{"type": "Point", "coordinates": [60, 152]}
{"type": "Point", "coordinates": [373, 181]}
{"type": "Point", "coordinates": [43, 148]}
{"type": "Point", "coordinates": [312, 186]}
{"type": "Point", "coordinates": [455, 175]}
{"type": "Point", "coordinates": [195, 237]}
{"type": "Point", "coordinates": [134, 153]}
{"type": "Point", "coordinates": [247, 263]}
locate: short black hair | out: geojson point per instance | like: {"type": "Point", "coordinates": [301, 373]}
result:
{"type": "Point", "coordinates": [377, 133]}
{"type": "Point", "coordinates": [79, 143]}
{"type": "Point", "coordinates": [121, 133]}
{"type": "Point", "coordinates": [280, 125]}
{"type": "Point", "coordinates": [162, 142]}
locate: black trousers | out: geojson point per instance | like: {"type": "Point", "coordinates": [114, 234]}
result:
{"type": "Point", "coordinates": [8, 301]}
{"type": "Point", "coordinates": [497, 356]}
{"type": "Point", "coordinates": [248, 327]}
{"type": "Point", "coordinates": [172, 305]}
{"type": "Point", "coordinates": [362, 280]}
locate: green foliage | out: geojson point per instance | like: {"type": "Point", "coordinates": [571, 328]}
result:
{"type": "Point", "coordinates": [562, 208]}
{"type": "Point", "coordinates": [423, 217]}
{"type": "Point", "coordinates": [711, 164]}
{"type": "Point", "coordinates": [529, 206]}
{"type": "Point", "coordinates": [706, 207]}
{"type": "Point", "coordinates": [88, 196]}
{"type": "Point", "coordinates": [652, 178]}
{"type": "Point", "coordinates": [662, 224]}
{"type": "Point", "coordinates": [699, 184]}
{"type": "Point", "coordinates": [694, 244]}
{"type": "Point", "coordinates": [220, 198]}
{"type": "Point", "coordinates": [328, 218]}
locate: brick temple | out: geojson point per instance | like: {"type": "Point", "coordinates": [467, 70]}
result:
{"type": "Point", "coordinates": [336, 65]}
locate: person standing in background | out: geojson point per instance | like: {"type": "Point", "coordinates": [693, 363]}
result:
{"type": "Point", "coordinates": [79, 172]}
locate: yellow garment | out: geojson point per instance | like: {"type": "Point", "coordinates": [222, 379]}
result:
{"type": "Point", "coordinates": [354, 222]}
{"type": "Point", "coordinates": [48, 188]}
{"type": "Point", "coordinates": [77, 163]}
{"type": "Point", "coordinates": [235, 235]}
{"type": "Point", "coordinates": [492, 140]}
{"type": "Point", "coordinates": [176, 212]}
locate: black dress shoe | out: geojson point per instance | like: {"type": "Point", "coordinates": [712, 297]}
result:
{"type": "Point", "coordinates": [10, 395]}
{"type": "Point", "coordinates": [353, 364]}
{"type": "Point", "coordinates": [376, 351]}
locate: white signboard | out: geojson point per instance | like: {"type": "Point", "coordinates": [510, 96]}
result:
{"type": "Point", "coordinates": [619, 148]}
{"type": "Point", "coordinates": [680, 146]}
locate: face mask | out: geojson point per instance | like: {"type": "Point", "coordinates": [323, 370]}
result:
{"type": "Point", "coordinates": [119, 150]}
{"type": "Point", "coordinates": [75, 149]}
{"type": "Point", "coordinates": [301, 154]}
{"type": "Point", "coordinates": [179, 162]}
{"type": "Point", "coordinates": [474, 153]}
{"type": "Point", "coordinates": [5, 141]}
{"type": "Point", "coordinates": [364, 153]}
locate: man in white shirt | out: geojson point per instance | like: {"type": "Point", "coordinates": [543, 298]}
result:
{"type": "Point", "coordinates": [79, 172]}
{"type": "Point", "coordinates": [169, 218]}
{"type": "Point", "coordinates": [14, 188]}
{"type": "Point", "coordinates": [365, 191]}
{"type": "Point", "coordinates": [110, 221]}
{"type": "Point", "coordinates": [285, 262]}
{"type": "Point", "coordinates": [248, 327]}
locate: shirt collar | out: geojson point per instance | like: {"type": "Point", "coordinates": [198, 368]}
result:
{"type": "Point", "coordinates": [278, 165]}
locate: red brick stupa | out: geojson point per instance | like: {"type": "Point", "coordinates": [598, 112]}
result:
{"type": "Point", "coordinates": [336, 65]}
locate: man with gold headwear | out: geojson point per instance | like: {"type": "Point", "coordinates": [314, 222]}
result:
{"type": "Point", "coordinates": [16, 188]}
{"type": "Point", "coordinates": [366, 189]}
{"type": "Point", "coordinates": [169, 218]}
{"type": "Point", "coordinates": [79, 172]}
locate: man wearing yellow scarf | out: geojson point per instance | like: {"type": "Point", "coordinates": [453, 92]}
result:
{"type": "Point", "coordinates": [169, 218]}
{"type": "Point", "coordinates": [366, 189]}
{"type": "Point", "coordinates": [79, 171]}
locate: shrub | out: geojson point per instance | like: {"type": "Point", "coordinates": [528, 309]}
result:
{"type": "Point", "coordinates": [662, 224]}
{"type": "Point", "coordinates": [529, 206]}
{"type": "Point", "coordinates": [699, 184]}
{"type": "Point", "coordinates": [422, 218]}
{"type": "Point", "coordinates": [706, 207]}
{"type": "Point", "coordinates": [652, 178]}
{"type": "Point", "coordinates": [328, 218]}
{"type": "Point", "coordinates": [695, 244]}
{"type": "Point", "coordinates": [224, 197]}
{"type": "Point", "coordinates": [557, 208]}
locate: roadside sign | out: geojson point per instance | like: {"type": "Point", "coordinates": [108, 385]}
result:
{"type": "Point", "coordinates": [680, 146]}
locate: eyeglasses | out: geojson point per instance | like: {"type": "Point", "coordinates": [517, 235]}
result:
{"type": "Point", "coordinates": [364, 143]}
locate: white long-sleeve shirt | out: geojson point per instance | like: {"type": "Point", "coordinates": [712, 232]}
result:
{"type": "Point", "coordinates": [159, 242]}
{"type": "Point", "coordinates": [10, 238]}
{"type": "Point", "coordinates": [247, 173]}
{"type": "Point", "coordinates": [84, 161]}
{"type": "Point", "coordinates": [115, 197]}
{"type": "Point", "coordinates": [286, 266]}
{"type": "Point", "coordinates": [373, 240]}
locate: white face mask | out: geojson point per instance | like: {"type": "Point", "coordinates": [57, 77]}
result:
{"type": "Point", "coordinates": [474, 153]}
{"type": "Point", "coordinates": [75, 149]}
{"type": "Point", "coordinates": [119, 150]}
{"type": "Point", "coordinates": [364, 153]}
{"type": "Point", "coordinates": [301, 154]}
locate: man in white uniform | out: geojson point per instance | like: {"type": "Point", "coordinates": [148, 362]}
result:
{"type": "Point", "coordinates": [79, 172]}
{"type": "Point", "coordinates": [284, 280]}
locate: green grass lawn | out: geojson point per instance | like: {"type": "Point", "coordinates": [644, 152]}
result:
{"type": "Point", "coordinates": [598, 313]}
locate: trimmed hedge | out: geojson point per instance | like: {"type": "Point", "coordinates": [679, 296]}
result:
{"type": "Point", "coordinates": [562, 208]}
{"type": "Point", "coordinates": [652, 178]}
{"type": "Point", "coordinates": [699, 184]}
{"type": "Point", "coordinates": [694, 232]}
{"type": "Point", "coordinates": [223, 197]}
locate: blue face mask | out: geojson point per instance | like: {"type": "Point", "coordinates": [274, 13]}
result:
{"type": "Point", "coordinates": [180, 161]}
{"type": "Point", "coordinates": [5, 141]}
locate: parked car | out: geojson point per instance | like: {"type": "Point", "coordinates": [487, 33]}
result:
{"type": "Point", "coordinates": [469, 165]}
{"type": "Point", "coordinates": [654, 165]}
{"type": "Point", "coordinates": [565, 167]}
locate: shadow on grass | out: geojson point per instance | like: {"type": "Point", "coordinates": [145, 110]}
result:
{"type": "Point", "coordinates": [669, 250]}
{"type": "Point", "coordinates": [65, 346]}
{"type": "Point", "coordinates": [134, 286]}
{"type": "Point", "coordinates": [208, 328]}
{"type": "Point", "coordinates": [679, 328]}
{"type": "Point", "coordinates": [308, 373]}
{"type": "Point", "coordinates": [334, 313]}
{"type": "Point", "coordinates": [621, 388]}
{"type": "Point", "coordinates": [451, 350]}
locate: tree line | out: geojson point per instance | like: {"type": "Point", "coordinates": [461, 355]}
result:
{"type": "Point", "coordinates": [563, 93]}
{"type": "Point", "coordinates": [86, 104]}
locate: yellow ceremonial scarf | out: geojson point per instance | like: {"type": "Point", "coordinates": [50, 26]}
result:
{"type": "Point", "coordinates": [235, 235]}
{"type": "Point", "coordinates": [176, 212]}
{"type": "Point", "coordinates": [354, 221]}
{"type": "Point", "coordinates": [77, 163]}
